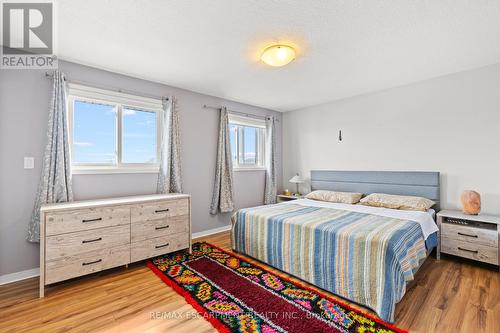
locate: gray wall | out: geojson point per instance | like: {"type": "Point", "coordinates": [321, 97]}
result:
{"type": "Point", "coordinates": [449, 124]}
{"type": "Point", "coordinates": [24, 101]}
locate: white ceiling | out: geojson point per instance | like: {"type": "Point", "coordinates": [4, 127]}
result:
{"type": "Point", "coordinates": [346, 47]}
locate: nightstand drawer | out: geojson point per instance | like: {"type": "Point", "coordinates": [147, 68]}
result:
{"type": "Point", "coordinates": [469, 250]}
{"type": "Point", "coordinates": [488, 237]}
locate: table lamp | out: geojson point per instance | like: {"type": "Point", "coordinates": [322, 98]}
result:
{"type": "Point", "coordinates": [297, 180]}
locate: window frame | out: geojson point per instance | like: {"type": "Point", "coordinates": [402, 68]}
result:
{"type": "Point", "coordinates": [120, 101]}
{"type": "Point", "coordinates": [260, 147]}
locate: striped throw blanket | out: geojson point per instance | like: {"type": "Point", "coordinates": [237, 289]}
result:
{"type": "Point", "coordinates": [365, 258]}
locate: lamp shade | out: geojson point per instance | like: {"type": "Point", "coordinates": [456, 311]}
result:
{"type": "Point", "coordinates": [278, 55]}
{"type": "Point", "coordinates": [296, 179]}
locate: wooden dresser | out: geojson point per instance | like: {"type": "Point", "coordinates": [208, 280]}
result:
{"type": "Point", "coordinates": [84, 237]}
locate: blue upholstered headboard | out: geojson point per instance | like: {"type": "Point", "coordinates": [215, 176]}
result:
{"type": "Point", "coordinates": [422, 184]}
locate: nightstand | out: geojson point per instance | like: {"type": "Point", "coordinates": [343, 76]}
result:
{"type": "Point", "coordinates": [475, 237]}
{"type": "Point", "coordinates": [283, 198]}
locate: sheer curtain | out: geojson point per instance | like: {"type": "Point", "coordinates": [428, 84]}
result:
{"type": "Point", "coordinates": [55, 181]}
{"type": "Point", "coordinates": [169, 176]}
{"type": "Point", "coordinates": [222, 198]}
{"type": "Point", "coordinates": [271, 168]}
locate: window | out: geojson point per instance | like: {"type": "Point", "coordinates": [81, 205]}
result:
{"type": "Point", "coordinates": [113, 132]}
{"type": "Point", "coordinates": [247, 139]}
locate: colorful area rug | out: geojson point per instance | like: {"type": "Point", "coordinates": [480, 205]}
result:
{"type": "Point", "coordinates": [237, 296]}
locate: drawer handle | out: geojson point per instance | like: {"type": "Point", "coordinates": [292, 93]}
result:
{"type": "Point", "coordinates": [161, 210]}
{"type": "Point", "coordinates": [92, 220]}
{"type": "Point", "coordinates": [473, 236]}
{"type": "Point", "coordinates": [471, 251]}
{"type": "Point", "coordinates": [160, 246]}
{"type": "Point", "coordinates": [162, 227]}
{"type": "Point", "coordinates": [91, 262]}
{"type": "Point", "coordinates": [91, 240]}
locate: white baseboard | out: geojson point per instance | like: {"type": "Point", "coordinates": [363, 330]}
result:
{"type": "Point", "coordinates": [211, 231]}
{"type": "Point", "coordinates": [18, 276]}
{"type": "Point", "coordinates": [23, 275]}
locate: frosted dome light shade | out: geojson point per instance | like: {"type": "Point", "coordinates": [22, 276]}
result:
{"type": "Point", "coordinates": [278, 55]}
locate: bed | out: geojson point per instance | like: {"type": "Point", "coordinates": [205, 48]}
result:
{"type": "Point", "coordinates": [364, 254]}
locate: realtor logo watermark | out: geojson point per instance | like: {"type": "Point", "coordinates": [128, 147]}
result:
{"type": "Point", "coordinates": [28, 35]}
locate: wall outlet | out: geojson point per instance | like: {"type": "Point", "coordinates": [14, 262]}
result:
{"type": "Point", "coordinates": [29, 162]}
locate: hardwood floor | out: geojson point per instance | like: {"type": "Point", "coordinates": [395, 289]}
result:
{"type": "Point", "coordinates": [447, 296]}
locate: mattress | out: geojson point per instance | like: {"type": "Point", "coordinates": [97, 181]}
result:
{"type": "Point", "coordinates": [364, 254]}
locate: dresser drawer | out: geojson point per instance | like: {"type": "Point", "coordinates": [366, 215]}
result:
{"type": "Point", "coordinates": [86, 263]}
{"type": "Point", "coordinates": [159, 210]}
{"type": "Point", "coordinates": [60, 246]}
{"type": "Point", "coordinates": [469, 250]}
{"type": "Point", "coordinates": [488, 237]}
{"type": "Point", "coordinates": [85, 219]}
{"type": "Point", "coordinates": [143, 230]}
{"type": "Point", "coordinates": [158, 246]}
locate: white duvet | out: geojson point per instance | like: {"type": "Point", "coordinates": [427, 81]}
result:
{"type": "Point", "coordinates": [425, 219]}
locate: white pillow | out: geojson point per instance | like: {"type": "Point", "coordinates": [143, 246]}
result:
{"type": "Point", "coordinates": [332, 196]}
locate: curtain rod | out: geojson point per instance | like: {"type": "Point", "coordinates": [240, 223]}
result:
{"type": "Point", "coordinates": [239, 112]}
{"type": "Point", "coordinates": [162, 98]}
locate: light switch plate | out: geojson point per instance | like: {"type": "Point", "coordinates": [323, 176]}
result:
{"type": "Point", "coordinates": [29, 162]}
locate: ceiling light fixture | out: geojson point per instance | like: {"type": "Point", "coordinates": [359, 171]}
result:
{"type": "Point", "coordinates": [278, 55]}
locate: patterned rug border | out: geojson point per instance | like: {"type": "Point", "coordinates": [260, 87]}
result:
{"type": "Point", "coordinates": [191, 301]}
{"type": "Point", "coordinates": [221, 327]}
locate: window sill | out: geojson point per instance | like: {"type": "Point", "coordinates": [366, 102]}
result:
{"type": "Point", "coordinates": [248, 169]}
{"type": "Point", "coordinates": [103, 171]}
